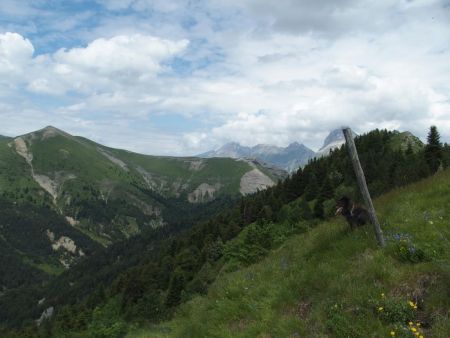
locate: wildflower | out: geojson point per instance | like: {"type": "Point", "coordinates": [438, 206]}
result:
{"type": "Point", "coordinates": [415, 307]}
{"type": "Point", "coordinates": [410, 323]}
{"type": "Point", "coordinates": [380, 308]}
{"type": "Point", "coordinates": [411, 304]}
{"type": "Point", "coordinates": [421, 336]}
{"type": "Point", "coordinates": [413, 329]}
{"type": "Point", "coordinates": [392, 333]}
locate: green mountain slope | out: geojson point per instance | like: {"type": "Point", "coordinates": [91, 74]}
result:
{"type": "Point", "coordinates": [63, 197]}
{"type": "Point", "coordinates": [330, 282]}
{"type": "Point", "coordinates": [107, 193]}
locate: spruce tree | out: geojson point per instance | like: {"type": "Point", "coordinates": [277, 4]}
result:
{"type": "Point", "coordinates": [433, 149]}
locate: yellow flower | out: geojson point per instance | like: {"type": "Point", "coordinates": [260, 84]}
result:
{"type": "Point", "coordinates": [417, 333]}
{"type": "Point", "coordinates": [418, 324]}
{"type": "Point", "coordinates": [413, 329]}
{"type": "Point", "coordinates": [410, 323]}
{"type": "Point", "coordinates": [411, 304]}
{"type": "Point", "coordinates": [392, 333]}
{"type": "Point", "coordinates": [380, 308]}
{"type": "Point", "coordinates": [415, 307]}
{"type": "Point", "coordinates": [421, 337]}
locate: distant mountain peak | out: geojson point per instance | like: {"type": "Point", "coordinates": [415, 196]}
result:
{"type": "Point", "coordinates": [47, 132]}
{"type": "Point", "coordinates": [335, 139]}
{"type": "Point", "coordinates": [334, 136]}
{"type": "Point", "coordinates": [52, 129]}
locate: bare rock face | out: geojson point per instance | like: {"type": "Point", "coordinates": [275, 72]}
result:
{"type": "Point", "coordinates": [67, 248]}
{"type": "Point", "coordinates": [46, 183]}
{"type": "Point", "coordinates": [204, 193]}
{"type": "Point", "coordinates": [196, 165]}
{"type": "Point", "coordinates": [254, 180]}
{"type": "Point", "coordinates": [46, 314]}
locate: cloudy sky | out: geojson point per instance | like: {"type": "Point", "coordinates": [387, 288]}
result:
{"type": "Point", "coordinates": [181, 77]}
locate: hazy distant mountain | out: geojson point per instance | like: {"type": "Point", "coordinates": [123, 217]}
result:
{"type": "Point", "coordinates": [290, 158]}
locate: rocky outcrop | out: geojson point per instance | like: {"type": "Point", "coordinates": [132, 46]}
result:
{"type": "Point", "coordinates": [254, 180]}
{"type": "Point", "coordinates": [46, 314]}
{"type": "Point", "coordinates": [204, 193]}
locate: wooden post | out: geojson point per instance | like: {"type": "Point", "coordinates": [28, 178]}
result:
{"type": "Point", "coordinates": [362, 184]}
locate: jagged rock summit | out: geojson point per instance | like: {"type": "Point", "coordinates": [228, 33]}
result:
{"type": "Point", "coordinates": [335, 139]}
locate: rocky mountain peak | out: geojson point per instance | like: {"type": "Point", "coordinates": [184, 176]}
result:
{"type": "Point", "coordinates": [334, 136]}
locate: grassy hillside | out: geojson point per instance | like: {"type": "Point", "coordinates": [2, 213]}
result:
{"type": "Point", "coordinates": [330, 282]}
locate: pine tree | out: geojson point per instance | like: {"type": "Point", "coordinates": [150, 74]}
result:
{"type": "Point", "coordinates": [318, 208]}
{"type": "Point", "coordinates": [326, 191]}
{"type": "Point", "coordinates": [433, 149]}
{"type": "Point", "coordinates": [305, 210]}
{"type": "Point", "coordinates": [176, 286]}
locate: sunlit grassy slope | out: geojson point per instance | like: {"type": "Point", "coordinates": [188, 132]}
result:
{"type": "Point", "coordinates": [330, 282]}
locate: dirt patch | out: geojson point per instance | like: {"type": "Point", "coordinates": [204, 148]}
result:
{"type": "Point", "coordinates": [299, 310]}
{"type": "Point", "coordinates": [240, 324]}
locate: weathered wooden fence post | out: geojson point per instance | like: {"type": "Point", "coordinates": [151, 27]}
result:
{"type": "Point", "coordinates": [362, 184]}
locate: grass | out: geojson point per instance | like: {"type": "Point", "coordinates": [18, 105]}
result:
{"type": "Point", "coordinates": [330, 282]}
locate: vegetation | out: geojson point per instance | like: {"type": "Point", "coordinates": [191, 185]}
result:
{"type": "Point", "coordinates": [323, 281]}
{"type": "Point", "coordinates": [433, 149]}
{"type": "Point", "coordinates": [330, 281]}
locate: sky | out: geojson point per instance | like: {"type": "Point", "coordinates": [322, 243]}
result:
{"type": "Point", "coordinates": [183, 77]}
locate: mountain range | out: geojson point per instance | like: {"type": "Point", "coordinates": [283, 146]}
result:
{"type": "Point", "coordinates": [296, 155]}
{"type": "Point", "coordinates": [289, 158]}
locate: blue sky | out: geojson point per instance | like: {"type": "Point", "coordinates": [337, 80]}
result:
{"type": "Point", "coordinates": [182, 77]}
